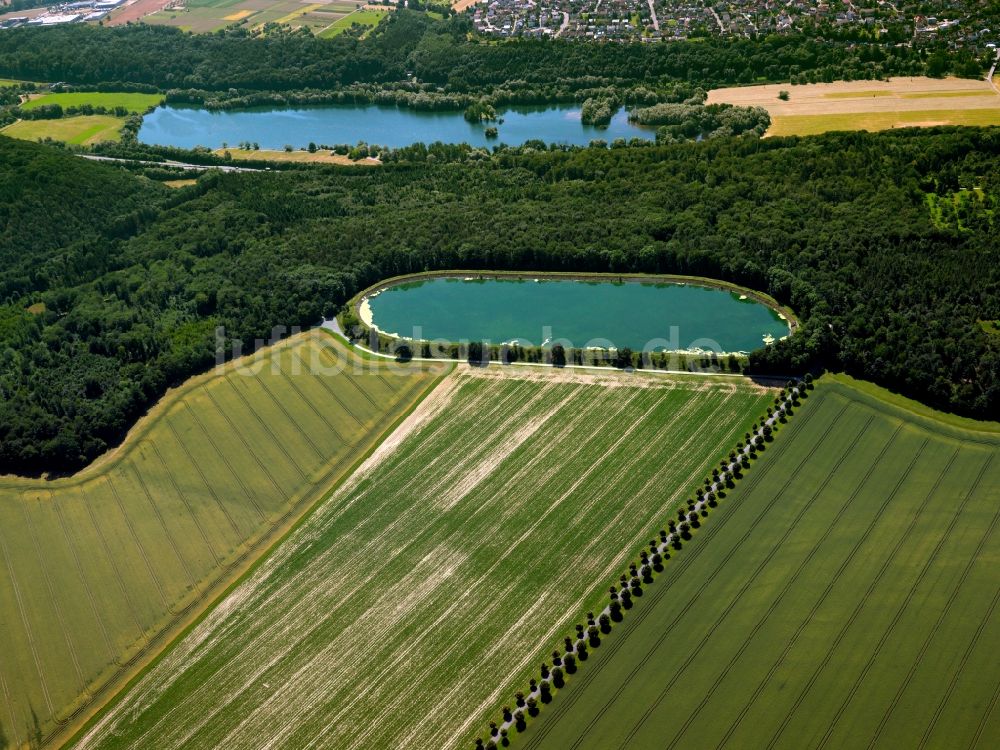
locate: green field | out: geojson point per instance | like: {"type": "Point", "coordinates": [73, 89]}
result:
{"type": "Point", "coordinates": [212, 15]}
{"type": "Point", "coordinates": [413, 603]}
{"type": "Point", "coordinates": [843, 596]}
{"type": "Point", "coordinates": [82, 130]}
{"type": "Point", "coordinates": [361, 17]}
{"type": "Point", "coordinates": [97, 569]}
{"type": "Point", "coordinates": [138, 103]}
{"type": "Point", "coordinates": [872, 121]}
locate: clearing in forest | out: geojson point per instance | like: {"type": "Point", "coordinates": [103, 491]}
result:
{"type": "Point", "coordinates": [131, 101]}
{"type": "Point", "coordinates": [81, 130]}
{"type": "Point", "coordinates": [419, 597]}
{"type": "Point", "coordinates": [98, 569]}
{"type": "Point", "coordinates": [844, 595]}
{"type": "Point", "coordinates": [869, 105]}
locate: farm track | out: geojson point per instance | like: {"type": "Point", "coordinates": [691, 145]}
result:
{"type": "Point", "coordinates": [131, 549]}
{"type": "Point", "coordinates": [862, 614]}
{"type": "Point", "coordinates": [415, 572]}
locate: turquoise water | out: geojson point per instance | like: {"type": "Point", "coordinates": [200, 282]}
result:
{"type": "Point", "coordinates": [640, 316]}
{"type": "Point", "coordinates": [187, 127]}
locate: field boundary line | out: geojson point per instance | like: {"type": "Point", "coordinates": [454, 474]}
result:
{"type": "Point", "coordinates": [862, 600]}
{"type": "Point", "coordinates": [761, 566]}
{"type": "Point", "coordinates": [686, 561]}
{"type": "Point", "coordinates": [780, 598]}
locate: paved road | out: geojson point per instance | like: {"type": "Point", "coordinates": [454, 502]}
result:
{"type": "Point", "coordinates": [174, 164]}
{"type": "Point", "coordinates": [652, 12]}
{"type": "Point", "coordinates": [565, 23]}
{"type": "Point", "coordinates": [993, 69]}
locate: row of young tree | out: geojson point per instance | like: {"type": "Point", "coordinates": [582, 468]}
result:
{"type": "Point", "coordinates": [576, 648]}
{"type": "Point", "coordinates": [112, 287]}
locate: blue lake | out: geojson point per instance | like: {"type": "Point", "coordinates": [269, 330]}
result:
{"type": "Point", "coordinates": [187, 127]}
{"type": "Point", "coordinates": [651, 316]}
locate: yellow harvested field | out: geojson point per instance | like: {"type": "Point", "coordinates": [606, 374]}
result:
{"type": "Point", "coordinates": [869, 105]}
{"type": "Point", "coordinates": [461, 5]}
{"type": "Point", "coordinates": [299, 12]}
{"type": "Point", "coordinates": [239, 15]}
{"type": "Point", "coordinates": [319, 157]}
{"type": "Point", "coordinates": [872, 121]}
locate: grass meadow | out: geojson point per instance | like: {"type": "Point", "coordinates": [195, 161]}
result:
{"type": "Point", "coordinates": [414, 602]}
{"type": "Point", "coordinates": [97, 569]}
{"type": "Point", "coordinates": [136, 103]}
{"type": "Point", "coordinates": [80, 130]}
{"type": "Point", "coordinates": [844, 595]}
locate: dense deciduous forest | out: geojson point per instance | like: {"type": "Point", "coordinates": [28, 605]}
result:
{"type": "Point", "coordinates": [440, 53]}
{"type": "Point", "coordinates": [113, 286]}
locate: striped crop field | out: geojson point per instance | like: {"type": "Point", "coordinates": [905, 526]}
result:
{"type": "Point", "coordinates": [844, 596]}
{"type": "Point", "coordinates": [97, 570]}
{"type": "Point", "coordinates": [424, 592]}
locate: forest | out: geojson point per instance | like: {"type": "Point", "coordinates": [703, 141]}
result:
{"type": "Point", "coordinates": [443, 57]}
{"type": "Point", "coordinates": [113, 286]}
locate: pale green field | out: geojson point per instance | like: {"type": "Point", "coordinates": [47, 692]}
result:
{"type": "Point", "coordinates": [81, 129]}
{"type": "Point", "coordinates": [843, 596]}
{"type": "Point", "coordinates": [132, 102]}
{"type": "Point", "coordinates": [813, 124]}
{"type": "Point", "coordinates": [363, 17]}
{"type": "Point", "coordinates": [98, 570]}
{"type": "Point", "coordinates": [417, 599]}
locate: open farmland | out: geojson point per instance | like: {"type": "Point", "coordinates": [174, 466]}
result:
{"type": "Point", "coordinates": [97, 569]}
{"type": "Point", "coordinates": [843, 596]}
{"type": "Point", "coordinates": [81, 130]}
{"type": "Point", "coordinates": [212, 15]}
{"type": "Point", "coordinates": [131, 101]}
{"type": "Point", "coordinates": [869, 105]}
{"type": "Point", "coordinates": [417, 599]}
